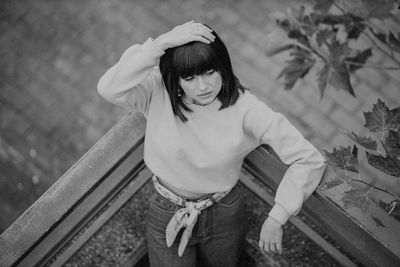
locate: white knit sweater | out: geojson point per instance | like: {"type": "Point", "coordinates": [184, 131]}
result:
{"type": "Point", "coordinates": [205, 154]}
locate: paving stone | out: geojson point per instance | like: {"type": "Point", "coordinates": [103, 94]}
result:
{"type": "Point", "coordinates": [345, 120]}
{"type": "Point", "coordinates": [53, 53]}
{"type": "Point", "coordinates": [319, 124]}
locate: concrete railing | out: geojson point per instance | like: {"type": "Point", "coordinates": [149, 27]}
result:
{"type": "Point", "coordinates": [75, 216]}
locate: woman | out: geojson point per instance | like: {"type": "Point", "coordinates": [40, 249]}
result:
{"type": "Point", "coordinates": [201, 123]}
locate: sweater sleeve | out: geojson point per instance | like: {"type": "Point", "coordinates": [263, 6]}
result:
{"type": "Point", "coordinates": [130, 83]}
{"type": "Point", "coordinates": [306, 164]}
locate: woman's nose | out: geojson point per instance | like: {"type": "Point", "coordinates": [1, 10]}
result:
{"type": "Point", "coordinates": [202, 83]}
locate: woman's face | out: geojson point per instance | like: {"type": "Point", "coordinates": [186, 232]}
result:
{"type": "Point", "coordinates": [202, 89]}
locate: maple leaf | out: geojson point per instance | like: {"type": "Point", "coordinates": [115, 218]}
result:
{"type": "Point", "coordinates": [323, 6]}
{"type": "Point", "coordinates": [333, 183]}
{"type": "Point", "coordinates": [366, 142]}
{"type": "Point", "coordinates": [378, 222]}
{"type": "Point", "coordinates": [360, 58]}
{"type": "Point", "coordinates": [379, 35]}
{"type": "Point", "coordinates": [356, 198]}
{"type": "Point", "coordinates": [354, 28]}
{"type": "Point", "coordinates": [386, 164]}
{"type": "Point", "coordinates": [381, 118]}
{"type": "Point", "coordinates": [323, 78]}
{"type": "Point", "coordinates": [378, 8]}
{"type": "Point", "coordinates": [343, 158]}
{"type": "Point", "coordinates": [394, 42]}
{"type": "Point", "coordinates": [324, 35]}
{"type": "Point", "coordinates": [297, 67]}
{"type": "Point", "coordinates": [353, 24]}
{"type": "Point", "coordinates": [340, 78]}
{"type": "Point", "coordinates": [338, 75]}
{"type": "Point", "coordinates": [392, 143]}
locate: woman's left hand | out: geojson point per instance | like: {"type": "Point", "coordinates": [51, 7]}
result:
{"type": "Point", "coordinates": [271, 236]}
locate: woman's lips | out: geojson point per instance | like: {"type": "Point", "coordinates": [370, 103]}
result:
{"type": "Point", "coordinates": [205, 94]}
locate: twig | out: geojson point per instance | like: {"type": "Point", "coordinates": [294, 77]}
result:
{"type": "Point", "coordinates": [371, 65]}
{"type": "Point", "coordinates": [367, 35]}
{"type": "Point", "coordinates": [375, 187]}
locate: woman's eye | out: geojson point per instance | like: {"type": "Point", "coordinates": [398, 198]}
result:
{"type": "Point", "coordinates": [188, 78]}
{"type": "Point", "coordinates": [210, 72]}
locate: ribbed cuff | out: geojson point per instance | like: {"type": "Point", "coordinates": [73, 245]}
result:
{"type": "Point", "coordinates": [279, 214]}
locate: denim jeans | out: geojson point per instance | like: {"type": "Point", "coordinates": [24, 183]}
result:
{"type": "Point", "coordinates": [217, 238]}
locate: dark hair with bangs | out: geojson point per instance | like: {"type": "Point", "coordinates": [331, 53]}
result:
{"type": "Point", "coordinates": [196, 58]}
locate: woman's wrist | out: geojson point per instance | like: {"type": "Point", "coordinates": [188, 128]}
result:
{"type": "Point", "coordinates": [161, 43]}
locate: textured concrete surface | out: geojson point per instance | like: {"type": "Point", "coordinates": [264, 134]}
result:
{"type": "Point", "coordinates": [53, 52]}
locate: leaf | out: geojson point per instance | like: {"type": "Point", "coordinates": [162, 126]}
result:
{"type": "Point", "coordinates": [297, 67]}
{"type": "Point", "coordinates": [353, 24]}
{"type": "Point", "coordinates": [378, 8]}
{"type": "Point", "coordinates": [366, 142]}
{"type": "Point", "coordinates": [339, 51]}
{"type": "Point", "coordinates": [340, 78]}
{"type": "Point", "coordinates": [323, 79]}
{"type": "Point", "coordinates": [356, 198]}
{"type": "Point", "coordinates": [323, 6]}
{"type": "Point", "coordinates": [386, 164]}
{"type": "Point", "coordinates": [378, 222]}
{"type": "Point", "coordinates": [392, 143]}
{"type": "Point", "coordinates": [342, 158]}
{"type": "Point", "coordinates": [354, 29]}
{"type": "Point", "coordinates": [333, 183]}
{"type": "Point", "coordinates": [379, 35]}
{"type": "Point", "coordinates": [381, 118]}
{"type": "Point", "coordinates": [333, 19]}
{"type": "Point", "coordinates": [272, 51]}
{"type": "Point", "coordinates": [324, 35]}
{"type": "Point", "coordinates": [361, 58]}
{"type": "Point", "coordinates": [325, 185]}
{"type": "Point", "coordinates": [394, 42]}
{"type": "Point", "coordinates": [355, 152]}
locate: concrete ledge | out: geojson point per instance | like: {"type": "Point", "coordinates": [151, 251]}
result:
{"type": "Point", "coordinates": [347, 230]}
{"type": "Point", "coordinates": [81, 178]}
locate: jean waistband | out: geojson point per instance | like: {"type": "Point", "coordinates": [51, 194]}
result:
{"type": "Point", "coordinates": [186, 217]}
{"type": "Point", "coordinates": [181, 201]}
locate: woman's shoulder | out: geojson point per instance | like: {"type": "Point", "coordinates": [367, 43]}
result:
{"type": "Point", "coordinates": [248, 100]}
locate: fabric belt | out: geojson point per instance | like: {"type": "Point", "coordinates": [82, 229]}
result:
{"type": "Point", "coordinates": [186, 217]}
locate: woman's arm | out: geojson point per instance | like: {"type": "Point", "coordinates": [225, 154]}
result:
{"type": "Point", "coordinates": [131, 81]}
{"type": "Point", "coordinates": [301, 178]}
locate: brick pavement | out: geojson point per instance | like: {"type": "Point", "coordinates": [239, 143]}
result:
{"type": "Point", "coordinates": [53, 52]}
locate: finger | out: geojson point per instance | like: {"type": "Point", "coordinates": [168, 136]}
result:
{"type": "Point", "coordinates": [201, 39]}
{"type": "Point", "coordinates": [261, 244]}
{"type": "Point", "coordinates": [279, 247]}
{"type": "Point", "coordinates": [203, 28]}
{"type": "Point", "coordinates": [266, 247]}
{"type": "Point", "coordinates": [272, 247]}
{"type": "Point", "coordinates": [205, 34]}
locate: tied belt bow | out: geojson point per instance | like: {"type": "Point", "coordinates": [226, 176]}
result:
{"type": "Point", "coordinates": [185, 217]}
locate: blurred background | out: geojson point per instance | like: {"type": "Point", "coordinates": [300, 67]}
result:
{"type": "Point", "coordinates": [52, 54]}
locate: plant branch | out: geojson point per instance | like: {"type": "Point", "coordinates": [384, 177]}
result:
{"type": "Point", "coordinates": [393, 58]}
{"type": "Point", "coordinates": [311, 50]}
{"type": "Point", "coordinates": [375, 187]}
{"type": "Point", "coordinates": [371, 65]}
{"type": "Point", "coordinates": [371, 186]}
{"type": "Point", "coordinates": [389, 154]}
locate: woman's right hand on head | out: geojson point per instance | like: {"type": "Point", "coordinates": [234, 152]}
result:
{"type": "Point", "coordinates": [185, 33]}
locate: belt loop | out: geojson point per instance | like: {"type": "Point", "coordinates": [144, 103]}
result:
{"type": "Point", "coordinates": [213, 200]}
